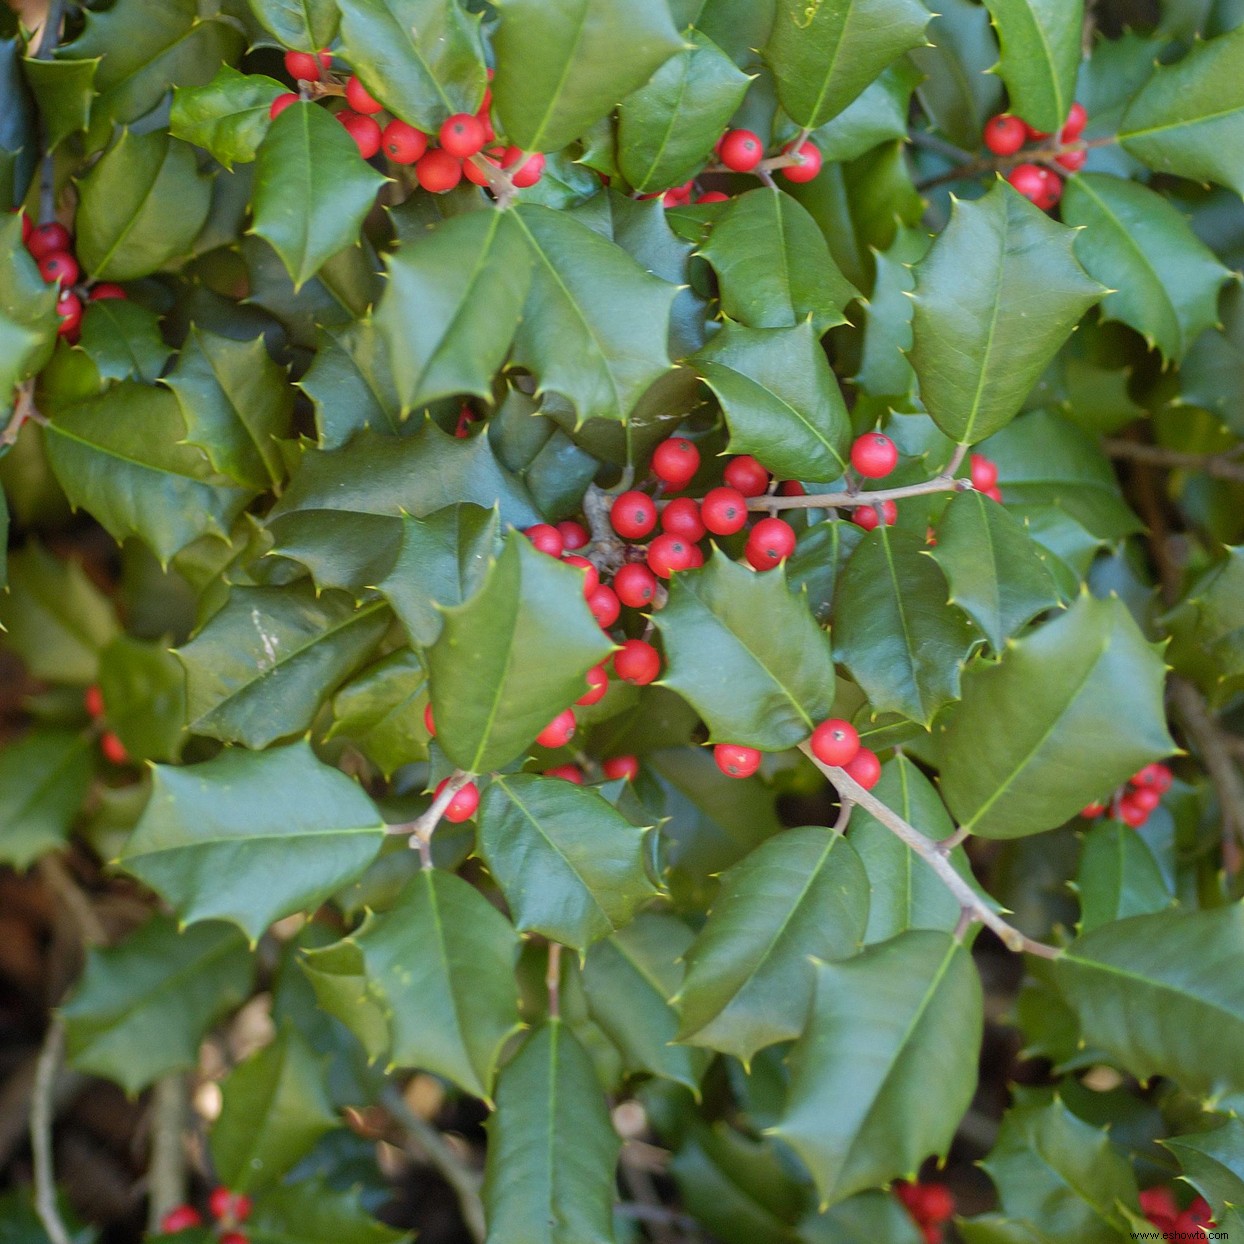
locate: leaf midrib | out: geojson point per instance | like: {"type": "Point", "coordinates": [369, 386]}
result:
{"type": "Point", "coordinates": [207, 844]}
{"type": "Point", "coordinates": [128, 227]}
{"type": "Point", "coordinates": [107, 451]}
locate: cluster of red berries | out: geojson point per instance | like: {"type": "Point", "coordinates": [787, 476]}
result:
{"type": "Point", "coordinates": [834, 742]}
{"type": "Point", "coordinates": [440, 161]}
{"type": "Point", "coordinates": [51, 245]}
{"type": "Point", "coordinates": [1133, 802]}
{"type": "Point", "coordinates": [1005, 135]}
{"type": "Point", "coordinates": [229, 1209]}
{"type": "Point", "coordinates": [1162, 1209]}
{"type": "Point", "coordinates": [931, 1205]}
{"type": "Point", "coordinates": [109, 744]}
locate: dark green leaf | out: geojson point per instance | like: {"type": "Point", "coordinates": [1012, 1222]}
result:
{"type": "Point", "coordinates": [312, 1212]}
{"type": "Point", "coordinates": [1040, 56]}
{"type": "Point", "coordinates": [338, 977]}
{"type": "Point", "coordinates": [228, 117]}
{"type": "Point", "coordinates": [27, 312]}
{"type": "Point", "coordinates": [1118, 877]}
{"type": "Point", "coordinates": [381, 711]}
{"type": "Point", "coordinates": [1213, 1164]}
{"type": "Point", "coordinates": [64, 91]}
{"type": "Point", "coordinates": [123, 341]}
{"type": "Point", "coordinates": [351, 384]}
{"type": "Point", "coordinates": [1210, 372]}
{"type": "Point", "coordinates": [876, 116]}
{"type": "Point", "coordinates": [43, 779]}
{"type": "Point", "coordinates": [862, 1219]}
{"type": "Point", "coordinates": [144, 690]}
{"type": "Point", "coordinates": [306, 25]}
{"type": "Point", "coordinates": [884, 369]}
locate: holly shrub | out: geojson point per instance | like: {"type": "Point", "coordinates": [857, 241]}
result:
{"type": "Point", "coordinates": [624, 617]}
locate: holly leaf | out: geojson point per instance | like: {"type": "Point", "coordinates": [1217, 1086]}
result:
{"type": "Point", "coordinates": [895, 630]}
{"type": "Point", "coordinates": [596, 324]}
{"type": "Point", "coordinates": [142, 1006]}
{"type": "Point", "coordinates": [1040, 57]}
{"type": "Point", "coordinates": [144, 691]}
{"type": "Point", "coordinates": [996, 574]}
{"type": "Point", "coordinates": [64, 91]}
{"type": "Point", "coordinates": [44, 778]}
{"type": "Point", "coordinates": [667, 128]}
{"type": "Point", "coordinates": [1162, 994]}
{"type": "Point", "coordinates": [338, 977]}
{"type": "Point", "coordinates": [351, 384]}
{"type": "Point", "coordinates": [877, 115]}
{"type": "Point", "coordinates": [1090, 686]}
{"type": "Point", "coordinates": [800, 896]}
{"type": "Point", "coordinates": [746, 655]}
{"type": "Point", "coordinates": [1188, 119]}
{"type": "Point", "coordinates": [236, 404]}
{"type": "Point", "coordinates": [381, 711]}
{"type": "Point", "coordinates": [1213, 1165]}
{"type": "Point", "coordinates": [313, 1212]}
{"type": "Point", "coordinates": [552, 1150]}
{"type": "Point", "coordinates": [1212, 366]}
{"type": "Point", "coordinates": [305, 25]}
{"type": "Point", "coordinates": [250, 837]}
{"type": "Point", "coordinates": [862, 1219]}
{"type": "Point", "coordinates": [312, 190]}
{"type": "Point", "coordinates": [422, 59]}
{"type": "Point", "coordinates": [140, 207]}
{"type": "Point", "coordinates": [558, 67]}
{"type": "Point", "coordinates": [569, 864]}
{"type": "Point", "coordinates": [229, 116]}
{"type": "Point", "coordinates": [780, 398]}
{"type": "Point", "coordinates": [451, 1007]}
{"type": "Point", "coordinates": [903, 1017]}
{"type": "Point", "coordinates": [261, 667]}
{"type": "Point", "coordinates": [1164, 279]}
{"type": "Point", "coordinates": [997, 295]}
{"type": "Point", "coordinates": [774, 266]}
{"type": "Point", "coordinates": [489, 698]}
{"type": "Point", "coordinates": [123, 341]}
{"type": "Point", "coordinates": [27, 313]}
{"type": "Point", "coordinates": [824, 55]}
{"type": "Point", "coordinates": [1118, 877]}
{"type": "Point", "coordinates": [452, 304]}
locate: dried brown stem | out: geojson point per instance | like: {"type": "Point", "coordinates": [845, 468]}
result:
{"type": "Point", "coordinates": [1217, 466]}
{"type": "Point", "coordinates": [854, 500]}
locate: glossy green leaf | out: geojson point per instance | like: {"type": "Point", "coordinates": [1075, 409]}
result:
{"type": "Point", "coordinates": [313, 1212]}
{"type": "Point", "coordinates": [818, 560]}
{"type": "Point", "coordinates": [1205, 627]}
{"type": "Point", "coordinates": [144, 691]}
{"type": "Point", "coordinates": [877, 115]}
{"type": "Point", "coordinates": [452, 305]}
{"type": "Point", "coordinates": [250, 837]}
{"type": "Point", "coordinates": [1213, 1163]}
{"type": "Point", "coordinates": [140, 207]}
{"type": "Point", "coordinates": [123, 341]}
{"type": "Point", "coordinates": [802, 895]}
{"type": "Point", "coordinates": [1118, 877]}
{"type": "Point", "coordinates": [64, 91]}
{"type": "Point", "coordinates": [1040, 57]}
{"type": "Point", "coordinates": [895, 630]}
{"type": "Point", "coordinates": [421, 58]}
{"type": "Point", "coordinates": [228, 117]}
{"type": "Point", "coordinates": [27, 312]}
{"type": "Point", "coordinates": [595, 326]}
{"type": "Point", "coordinates": [552, 1150]}
{"type": "Point", "coordinates": [667, 128]}
{"type": "Point", "coordinates": [306, 25]}
{"type": "Point", "coordinates": [559, 68]}
{"type": "Point", "coordinates": [1188, 119]}
{"type": "Point", "coordinates": [1162, 994]}
{"type": "Point", "coordinates": [351, 384]}
{"type": "Point", "coordinates": [780, 397]}
{"type": "Point", "coordinates": [338, 977]}
{"type": "Point", "coordinates": [452, 1005]}
{"type": "Point", "coordinates": [44, 778]}
{"type": "Point", "coordinates": [824, 55]}
{"type": "Point", "coordinates": [1210, 370]}
{"type": "Point", "coordinates": [995, 572]}
{"type": "Point", "coordinates": [862, 1219]}
{"type": "Point", "coordinates": [884, 369]}
{"type": "Point", "coordinates": [312, 190]}
{"type": "Point", "coordinates": [996, 296]}
{"type": "Point", "coordinates": [381, 711]}
{"type": "Point", "coordinates": [899, 1022]}
{"type": "Point", "coordinates": [774, 266]}
{"type": "Point", "coordinates": [143, 1005]}
{"type": "Point", "coordinates": [1165, 279]}
{"type": "Point", "coordinates": [569, 864]}
{"type": "Point", "coordinates": [275, 1107]}
{"type": "Point", "coordinates": [746, 655]}
{"type": "Point", "coordinates": [489, 697]}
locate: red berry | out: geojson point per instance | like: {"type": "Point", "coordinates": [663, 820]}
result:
{"type": "Point", "coordinates": [1160, 1207]}
{"type": "Point", "coordinates": [741, 150]}
{"type": "Point", "coordinates": [675, 462]}
{"type": "Point", "coordinates": [279, 104]}
{"type": "Point", "coordinates": [463, 135]}
{"type": "Point", "coordinates": [678, 196]}
{"type": "Point", "coordinates": [1131, 812]}
{"type": "Point", "coordinates": [835, 742]}
{"type": "Point", "coordinates": [567, 773]}
{"type": "Point", "coordinates": [225, 1204]}
{"type": "Point", "coordinates": [792, 488]}
{"type": "Point", "coordinates": [724, 511]}
{"type": "Point", "coordinates": [93, 699]}
{"type": "Point", "coordinates": [668, 553]}
{"type": "Point", "coordinates": [874, 455]}
{"type": "Point", "coordinates": [1074, 125]}
{"type": "Point", "coordinates": [597, 685]}
{"type": "Point", "coordinates": [591, 576]}
{"type": "Point", "coordinates": [604, 605]}
{"type": "Point", "coordinates": [1052, 191]}
{"type": "Point", "coordinates": [1072, 161]}
{"type": "Point", "coordinates": [1156, 775]}
{"type": "Point", "coordinates": [364, 130]}
{"type": "Point", "coordinates": [682, 518]}
{"type": "Point", "coordinates": [871, 516]}
{"type": "Point", "coordinates": [1198, 1214]}
{"type": "Point", "coordinates": [865, 768]}
{"type": "Point", "coordinates": [1091, 811]}
{"type": "Point", "coordinates": [234, 1237]}
{"type": "Point", "coordinates": [736, 761]}
{"type": "Point", "coordinates": [474, 173]}
{"type": "Point", "coordinates": [907, 1193]}
{"type": "Point", "coordinates": [771, 541]}
{"type": "Point", "coordinates": [462, 806]}
{"type": "Point", "coordinates": [637, 662]}
{"type": "Point", "coordinates": [559, 731]}
{"type": "Point", "coordinates": [635, 585]}
{"type": "Point", "coordinates": [306, 67]}
{"type": "Point", "coordinates": [994, 493]}
{"type": "Point", "coordinates": [697, 558]}
{"type": "Point", "coordinates": [46, 239]}
{"type": "Point", "coordinates": [1147, 797]}
{"type": "Point", "coordinates": [361, 99]}
{"type": "Point", "coordinates": [626, 767]}
{"type": "Point", "coordinates": [633, 515]}
{"type": "Point", "coordinates": [1029, 180]}
{"type": "Point", "coordinates": [438, 171]}
{"type": "Point", "coordinates": [106, 290]}
{"type": "Point", "coordinates": [747, 475]}
{"type": "Point", "coordinates": [523, 172]}
{"type": "Point", "coordinates": [59, 268]}
{"type": "Point", "coordinates": [574, 535]}
{"type": "Point", "coordinates": [180, 1218]}
{"type": "Point", "coordinates": [429, 721]}
{"type": "Point", "coordinates": [69, 308]}
{"type": "Point", "coordinates": [984, 472]}
{"type": "Point", "coordinates": [935, 1203]}
{"type": "Point", "coordinates": [809, 162]}
{"type": "Point", "coordinates": [402, 143]}
{"type": "Point", "coordinates": [113, 749]}
{"type": "Point", "coordinates": [1005, 135]}
{"type": "Point", "coordinates": [1036, 135]}
{"type": "Point", "coordinates": [713, 196]}
{"type": "Point", "coordinates": [546, 538]}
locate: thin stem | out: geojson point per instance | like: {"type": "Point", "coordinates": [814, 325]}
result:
{"type": "Point", "coordinates": [931, 142]}
{"type": "Point", "coordinates": [1001, 164]}
{"type": "Point", "coordinates": [1218, 466]}
{"type": "Point", "coordinates": [927, 849]}
{"type": "Point", "coordinates": [41, 1115]}
{"type": "Point", "coordinates": [852, 500]}
{"type": "Point", "coordinates": [50, 36]}
{"type": "Point", "coordinates": [166, 1177]}
{"type": "Point", "coordinates": [947, 845]}
{"type": "Point", "coordinates": [844, 815]}
{"type": "Point", "coordinates": [421, 829]}
{"type": "Point", "coordinates": [553, 980]}
{"type": "Point", "coordinates": [956, 461]}
{"type": "Point", "coordinates": [499, 182]}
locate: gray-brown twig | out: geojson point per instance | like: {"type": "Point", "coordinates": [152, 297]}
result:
{"type": "Point", "coordinates": [1217, 466]}
{"type": "Point", "coordinates": [421, 829]}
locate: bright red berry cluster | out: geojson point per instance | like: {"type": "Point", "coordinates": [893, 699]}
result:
{"type": "Point", "coordinates": [1039, 180]}
{"type": "Point", "coordinates": [1159, 1205]}
{"type": "Point", "coordinates": [109, 744]}
{"type": "Point", "coordinates": [1133, 802]}
{"type": "Point", "coordinates": [228, 1209]}
{"type": "Point", "coordinates": [931, 1205]}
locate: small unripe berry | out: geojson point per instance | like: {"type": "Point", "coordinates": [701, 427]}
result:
{"type": "Point", "coordinates": [668, 553]}
{"type": "Point", "coordinates": [675, 462]}
{"type": "Point", "coordinates": [771, 541]}
{"type": "Point", "coordinates": [463, 135]}
{"type": "Point", "coordinates": [225, 1204]}
{"type": "Point", "coordinates": [402, 143]}
{"type": "Point", "coordinates": [591, 576]}
{"type": "Point", "coordinates": [681, 517]}
{"type": "Point", "coordinates": [809, 162]}
{"type": "Point", "coordinates": [462, 806]}
{"type": "Point", "coordinates": [1005, 135]}
{"type": "Point", "coordinates": [865, 768]}
{"type": "Point", "coordinates": [633, 515]}
{"type": "Point", "coordinates": [835, 742]}
{"type": "Point", "coordinates": [604, 605]}
{"type": "Point", "coordinates": [874, 455]}
{"type": "Point", "coordinates": [984, 472]}
{"type": "Point", "coordinates": [724, 511]}
{"type": "Point", "coordinates": [741, 150]}
{"type": "Point", "coordinates": [180, 1218]}
{"type": "Point", "coordinates": [597, 684]}
{"type": "Point", "coordinates": [306, 67]}
{"type": "Point", "coordinates": [574, 535]}
{"type": "Point", "coordinates": [93, 700]}
{"type": "Point", "coordinates": [429, 722]}
{"type": "Point", "coordinates": [747, 475]}
{"type": "Point", "coordinates": [559, 731]}
{"type": "Point", "coordinates": [736, 761]}
{"type": "Point", "coordinates": [546, 538]}
{"type": "Point", "coordinates": [364, 130]}
{"type": "Point", "coordinates": [106, 290]}
{"type": "Point", "coordinates": [626, 767]}
{"type": "Point", "coordinates": [637, 662]}
{"type": "Point", "coordinates": [49, 238]}
{"type": "Point", "coordinates": [1074, 125]}
{"type": "Point", "coordinates": [438, 172]}
{"type": "Point", "coordinates": [871, 516]}
{"type": "Point", "coordinates": [567, 773]}
{"type": "Point", "coordinates": [113, 749]}
{"type": "Point", "coordinates": [635, 585]}
{"type": "Point", "coordinates": [361, 99]}
{"type": "Point", "coordinates": [523, 172]}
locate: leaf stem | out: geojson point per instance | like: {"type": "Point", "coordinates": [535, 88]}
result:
{"type": "Point", "coordinates": [853, 500]}
{"type": "Point", "coordinates": [41, 1112]}
{"type": "Point", "coordinates": [166, 1179]}
{"type": "Point", "coordinates": [421, 829]}
{"type": "Point", "coordinates": [1217, 466]}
